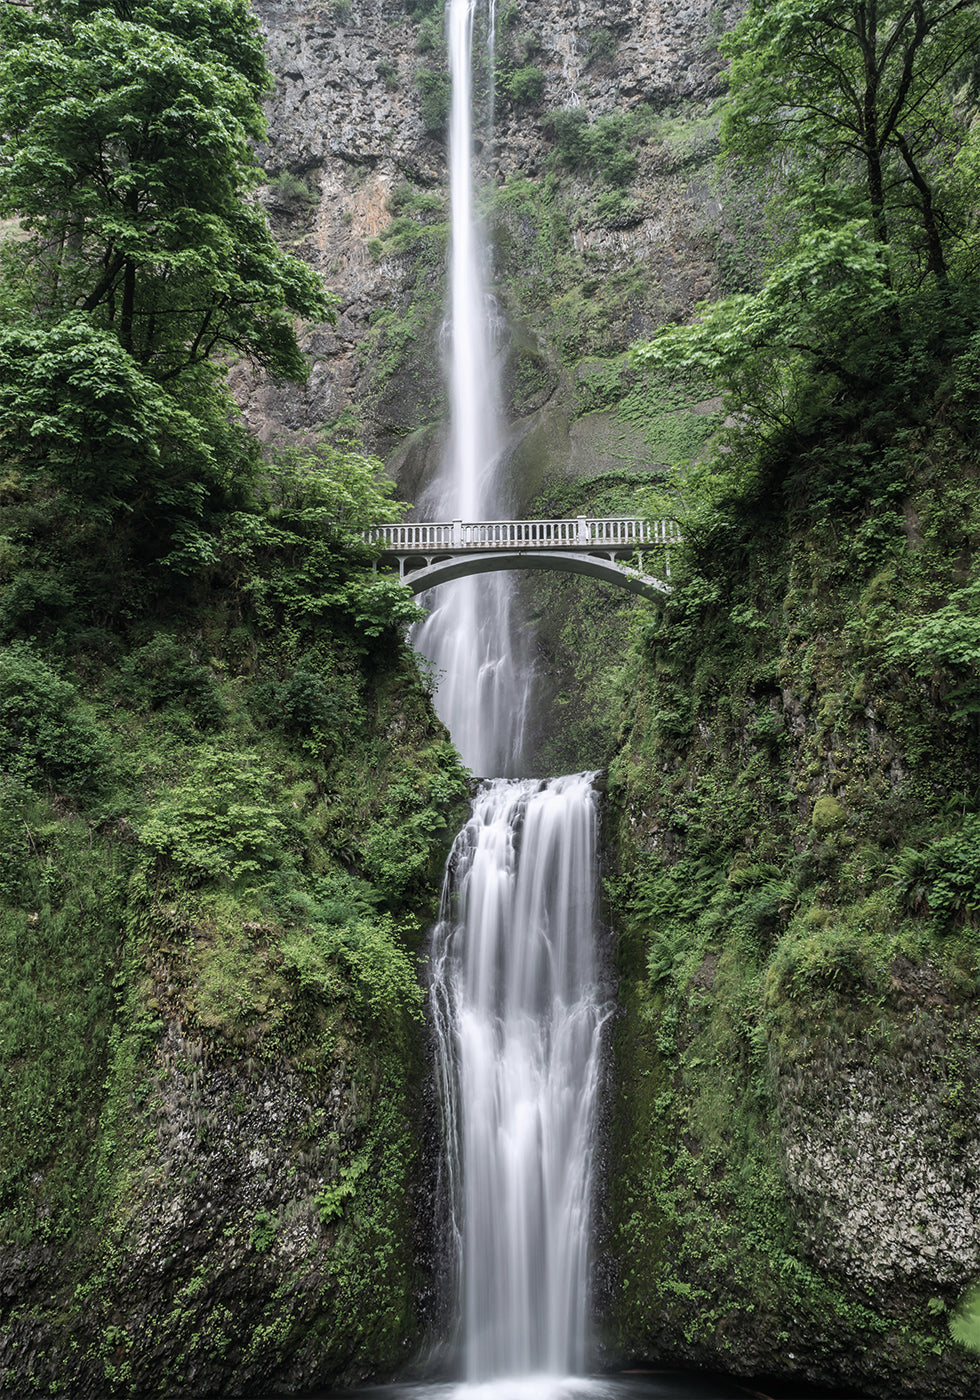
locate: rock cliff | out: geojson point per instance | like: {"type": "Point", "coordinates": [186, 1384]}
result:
{"type": "Point", "coordinates": [353, 144]}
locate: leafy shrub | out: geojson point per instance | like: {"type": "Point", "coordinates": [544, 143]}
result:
{"type": "Point", "coordinates": [619, 167]}
{"type": "Point", "coordinates": [35, 604]}
{"type": "Point", "coordinates": [525, 84]}
{"type": "Point", "coordinates": [303, 554]}
{"type": "Point", "coordinates": [964, 1321]}
{"type": "Point", "coordinates": [405, 199]}
{"type": "Point", "coordinates": [374, 963]}
{"type": "Point", "coordinates": [948, 639]}
{"type": "Point", "coordinates": [434, 97]}
{"type": "Point", "coordinates": [614, 209]}
{"type": "Point", "coordinates": [308, 703]}
{"type": "Point", "coordinates": [828, 959]}
{"type": "Point", "coordinates": [568, 129]}
{"type": "Point", "coordinates": [308, 706]}
{"type": "Point", "coordinates": [428, 39]}
{"type": "Point", "coordinates": [288, 188]}
{"type": "Point", "coordinates": [943, 880]}
{"type": "Point", "coordinates": [603, 146]}
{"type": "Point", "coordinates": [220, 823]}
{"type": "Point", "coordinates": [388, 73]}
{"type": "Point", "coordinates": [162, 673]}
{"type": "Point", "coordinates": [421, 10]}
{"type": "Point", "coordinates": [46, 737]}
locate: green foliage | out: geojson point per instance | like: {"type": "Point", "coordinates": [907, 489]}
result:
{"type": "Point", "coordinates": [422, 10]}
{"type": "Point", "coordinates": [660, 406]}
{"type": "Point", "coordinates": [398, 845]}
{"type": "Point", "coordinates": [434, 94]}
{"type": "Point", "coordinates": [964, 1322]}
{"type": "Point", "coordinates": [599, 46]}
{"type": "Point", "coordinates": [263, 1232]}
{"type": "Point", "coordinates": [128, 157]}
{"type": "Point", "coordinates": [824, 309]}
{"type": "Point", "coordinates": [828, 815]}
{"type": "Point", "coordinates": [429, 37]}
{"type": "Point", "coordinates": [871, 287]}
{"type": "Point", "coordinates": [47, 739]}
{"type": "Point", "coordinates": [862, 107]}
{"type": "Point", "coordinates": [372, 959]}
{"type": "Point", "coordinates": [947, 639]}
{"type": "Point", "coordinates": [407, 233]}
{"type": "Point", "coordinates": [92, 147]}
{"type": "Point", "coordinates": [300, 551]}
{"type": "Point", "coordinates": [614, 209]}
{"type": "Point", "coordinates": [61, 908]}
{"type": "Point", "coordinates": [389, 75]}
{"type": "Point", "coordinates": [222, 823]}
{"type": "Point", "coordinates": [163, 675]}
{"type": "Point", "coordinates": [524, 85]}
{"type": "Point", "coordinates": [78, 411]}
{"type": "Point", "coordinates": [288, 188]}
{"type": "Point", "coordinates": [600, 147]}
{"type": "Point", "coordinates": [942, 881]}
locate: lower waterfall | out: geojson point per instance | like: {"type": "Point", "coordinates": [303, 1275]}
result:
{"type": "Point", "coordinates": [518, 1011]}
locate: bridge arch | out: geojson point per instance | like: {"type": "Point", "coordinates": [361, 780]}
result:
{"type": "Point", "coordinates": [430, 574]}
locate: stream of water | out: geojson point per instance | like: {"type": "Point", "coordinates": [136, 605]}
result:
{"type": "Point", "coordinates": [470, 636]}
{"type": "Point", "coordinates": [518, 1011]}
{"type": "Point", "coordinates": [515, 997]}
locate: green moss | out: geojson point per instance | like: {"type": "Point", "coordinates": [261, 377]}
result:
{"type": "Point", "coordinates": [795, 813]}
{"type": "Point", "coordinates": [237, 902]}
{"type": "Point", "coordinates": [828, 815]}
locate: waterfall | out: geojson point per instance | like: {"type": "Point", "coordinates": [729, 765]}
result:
{"type": "Point", "coordinates": [515, 1000]}
{"type": "Point", "coordinates": [470, 638]}
{"type": "Point", "coordinates": [517, 1012]}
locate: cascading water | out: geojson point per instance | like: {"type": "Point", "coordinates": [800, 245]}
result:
{"type": "Point", "coordinates": [469, 636]}
{"type": "Point", "coordinates": [517, 1012]}
{"type": "Point", "coordinates": [515, 999]}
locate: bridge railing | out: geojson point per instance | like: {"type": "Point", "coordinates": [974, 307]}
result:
{"type": "Point", "coordinates": [579, 532]}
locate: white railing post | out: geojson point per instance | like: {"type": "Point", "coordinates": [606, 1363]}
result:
{"type": "Point", "coordinates": [457, 533]}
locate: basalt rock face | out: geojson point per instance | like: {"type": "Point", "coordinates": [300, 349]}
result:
{"type": "Point", "coordinates": [260, 1232]}
{"type": "Point", "coordinates": [353, 147]}
{"type": "Point", "coordinates": [796, 1139]}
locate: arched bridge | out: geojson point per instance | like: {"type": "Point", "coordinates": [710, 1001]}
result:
{"type": "Point", "coordinates": [432, 552]}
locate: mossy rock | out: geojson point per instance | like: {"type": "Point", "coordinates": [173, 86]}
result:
{"type": "Point", "coordinates": [828, 815]}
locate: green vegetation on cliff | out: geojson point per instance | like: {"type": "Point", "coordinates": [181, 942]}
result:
{"type": "Point", "coordinates": [224, 798]}
{"type": "Point", "coordinates": [224, 808]}
{"type": "Point", "coordinates": [797, 800]}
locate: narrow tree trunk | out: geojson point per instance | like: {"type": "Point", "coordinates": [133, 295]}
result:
{"type": "Point", "coordinates": [128, 305]}
{"type": "Point", "coordinates": [936, 260]}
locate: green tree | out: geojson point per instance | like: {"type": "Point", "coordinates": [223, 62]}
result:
{"type": "Point", "coordinates": [860, 96]}
{"type": "Point", "coordinates": [861, 106]}
{"type": "Point", "coordinates": [128, 159]}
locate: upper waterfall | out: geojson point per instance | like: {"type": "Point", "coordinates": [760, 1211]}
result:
{"type": "Point", "coordinates": [479, 656]}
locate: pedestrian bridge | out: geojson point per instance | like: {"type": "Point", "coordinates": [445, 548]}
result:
{"type": "Point", "coordinates": [634, 554]}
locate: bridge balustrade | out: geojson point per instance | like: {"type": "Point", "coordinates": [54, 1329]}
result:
{"type": "Point", "coordinates": [580, 532]}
